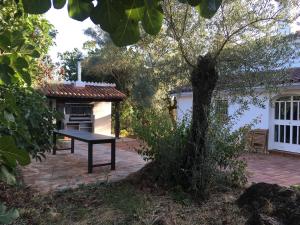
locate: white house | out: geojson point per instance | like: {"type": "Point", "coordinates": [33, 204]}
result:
{"type": "Point", "coordinates": [280, 114]}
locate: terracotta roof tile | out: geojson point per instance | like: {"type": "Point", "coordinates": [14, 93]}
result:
{"type": "Point", "coordinates": [103, 93]}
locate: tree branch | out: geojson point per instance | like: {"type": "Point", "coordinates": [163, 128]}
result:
{"type": "Point", "coordinates": [273, 17]}
{"type": "Point", "coordinates": [177, 37]}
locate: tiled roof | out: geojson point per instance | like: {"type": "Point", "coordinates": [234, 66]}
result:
{"type": "Point", "coordinates": [293, 75]}
{"type": "Point", "coordinates": [100, 93]}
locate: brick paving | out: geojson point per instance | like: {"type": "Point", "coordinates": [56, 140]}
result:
{"type": "Point", "coordinates": [280, 169]}
{"type": "Point", "coordinates": [66, 170]}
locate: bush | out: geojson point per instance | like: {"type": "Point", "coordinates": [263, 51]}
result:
{"type": "Point", "coordinates": [25, 116]}
{"type": "Point", "coordinates": [166, 147]}
{"type": "Point", "coordinates": [226, 147]}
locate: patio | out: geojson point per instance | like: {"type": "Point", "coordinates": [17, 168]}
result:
{"type": "Point", "coordinates": [66, 170]}
{"type": "Point", "coordinates": [273, 168]}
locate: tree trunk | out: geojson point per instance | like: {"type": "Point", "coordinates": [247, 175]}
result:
{"type": "Point", "coordinates": [204, 78]}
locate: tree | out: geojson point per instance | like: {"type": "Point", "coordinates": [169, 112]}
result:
{"type": "Point", "coordinates": [69, 63]}
{"type": "Point", "coordinates": [124, 67]}
{"type": "Point", "coordinates": [233, 21]}
{"type": "Point", "coordinates": [238, 25]}
{"type": "Point", "coordinates": [25, 120]}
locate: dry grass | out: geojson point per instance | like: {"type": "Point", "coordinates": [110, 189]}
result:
{"type": "Point", "coordinates": [123, 204]}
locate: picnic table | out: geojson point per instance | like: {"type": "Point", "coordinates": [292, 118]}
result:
{"type": "Point", "coordinates": [91, 139]}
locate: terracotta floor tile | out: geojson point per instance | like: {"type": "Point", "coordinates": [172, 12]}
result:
{"type": "Point", "coordinates": [65, 170]}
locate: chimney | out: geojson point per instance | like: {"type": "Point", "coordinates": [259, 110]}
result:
{"type": "Point", "coordinates": [79, 83]}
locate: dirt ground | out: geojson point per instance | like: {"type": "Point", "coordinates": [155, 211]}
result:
{"type": "Point", "coordinates": [121, 204]}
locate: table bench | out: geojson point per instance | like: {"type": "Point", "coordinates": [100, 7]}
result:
{"type": "Point", "coordinates": [91, 139]}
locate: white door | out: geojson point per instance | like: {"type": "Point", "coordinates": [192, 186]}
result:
{"type": "Point", "coordinates": [285, 126]}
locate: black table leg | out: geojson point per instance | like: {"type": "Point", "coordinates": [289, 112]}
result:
{"type": "Point", "coordinates": [113, 155]}
{"type": "Point", "coordinates": [72, 145]}
{"type": "Point", "coordinates": [54, 144]}
{"type": "Point", "coordinates": [90, 157]}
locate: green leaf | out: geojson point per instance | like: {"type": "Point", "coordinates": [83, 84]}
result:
{"type": "Point", "coordinates": [7, 216]}
{"type": "Point", "coordinates": [4, 42]}
{"type": "Point", "coordinates": [9, 116]}
{"type": "Point", "coordinates": [58, 4]}
{"type": "Point", "coordinates": [107, 15]}
{"type": "Point", "coordinates": [5, 59]}
{"type": "Point", "coordinates": [26, 77]}
{"type": "Point", "coordinates": [194, 2]}
{"type": "Point", "coordinates": [11, 154]}
{"type": "Point", "coordinates": [80, 9]}
{"type": "Point", "coordinates": [36, 6]}
{"type": "Point", "coordinates": [35, 54]}
{"type": "Point", "coordinates": [127, 33]}
{"type": "Point", "coordinates": [6, 176]}
{"type": "Point", "coordinates": [20, 63]}
{"type": "Point", "coordinates": [152, 20]}
{"type": "Point", "coordinates": [208, 8]}
{"type": "Point", "coordinates": [135, 14]}
{"type": "Point", "coordinates": [6, 73]}
{"type": "Point", "coordinates": [131, 4]}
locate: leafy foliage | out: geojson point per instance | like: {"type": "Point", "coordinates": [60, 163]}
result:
{"type": "Point", "coordinates": [23, 39]}
{"type": "Point", "coordinates": [25, 120]}
{"type": "Point", "coordinates": [227, 146]}
{"type": "Point", "coordinates": [7, 216]}
{"type": "Point", "coordinates": [69, 63]}
{"type": "Point", "coordinates": [29, 125]}
{"type": "Point", "coordinates": [120, 18]}
{"type": "Point", "coordinates": [166, 143]}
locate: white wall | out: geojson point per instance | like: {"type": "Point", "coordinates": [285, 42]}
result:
{"type": "Point", "coordinates": [184, 104]}
{"type": "Point", "coordinates": [261, 115]}
{"type": "Point", "coordinates": [256, 115]}
{"type": "Point", "coordinates": [102, 116]}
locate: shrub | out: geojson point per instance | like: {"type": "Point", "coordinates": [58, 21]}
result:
{"type": "Point", "coordinates": [166, 146]}
{"type": "Point", "coordinates": [226, 147]}
{"type": "Point", "coordinates": [25, 116]}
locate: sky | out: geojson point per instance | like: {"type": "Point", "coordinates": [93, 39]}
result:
{"type": "Point", "coordinates": [70, 32]}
